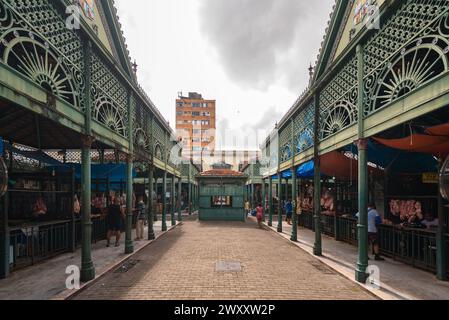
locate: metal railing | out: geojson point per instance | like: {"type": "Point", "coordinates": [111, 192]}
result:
{"type": "Point", "coordinates": [412, 246]}
{"type": "Point", "coordinates": [31, 245]}
{"type": "Point", "coordinates": [347, 228]}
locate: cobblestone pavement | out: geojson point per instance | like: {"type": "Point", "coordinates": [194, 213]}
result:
{"type": "Point", "coordinates": [182, 266]}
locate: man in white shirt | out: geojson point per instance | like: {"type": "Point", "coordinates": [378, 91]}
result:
{"type": "Point", "coordinates": [374, 220]}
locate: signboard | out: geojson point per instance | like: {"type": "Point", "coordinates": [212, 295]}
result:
{"type": "Point", "coordinates": [88, 7]}
{"type": "Point", "coordinates": [364, 11]}
{"type": "Point", "coordinates": [430, 178]}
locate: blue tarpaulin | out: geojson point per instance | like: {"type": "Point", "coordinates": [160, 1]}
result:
{"type": "Point", "coordinates": [113, 172]}
{"type": "Point", "coordinates": [1, 146]}
{"type": "Point", "coordinates": [307, 170]}
{"type": "Point", "coordinates": [398, 161]}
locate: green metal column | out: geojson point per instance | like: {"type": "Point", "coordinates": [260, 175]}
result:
{"type": "Point", "coordinates": [150, 204]}
{"type": "Point", "coordinates": [270, 201]}
{"type": "Point", "coordinates": [87, 272]}
{"type": "Point", "coordinates": [317, 248]}
{"type": "Point", "coordinates": [362, 226]}
{"type": "Point", "coordinates": [4, 238]}
{"type": "Point", "coordinates": [362, 144]}
{"type": "Point", "coordinates": [279, 202]}
{"type": "Point", "coordinates": [190, 189]}
{"type": "Point", "coordinates": [294, 236]}
{"type": "Point", "coordinates": [180, 199]}
{"type": "Point", "coordinates": [87, 265]}
{"type": "Point", "coordinates": [156, 181]}
{"type": "Point", "coordinates": [173, 201]}
{"type": "Point", "coordinates": [264, 198]}
{"type": "Point", "coordinates": [129, 245]}
{"type": "Point", "coordinates": [164, 202]}
{"type": "Point", "coordinates": [441, 241]}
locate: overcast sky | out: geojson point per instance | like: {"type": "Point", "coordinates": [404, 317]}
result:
{"type": "Point", "coordinates": [251, 56]}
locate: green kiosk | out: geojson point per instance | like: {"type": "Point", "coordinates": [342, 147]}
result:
{"type": "Point", "coordinates": [222, 194]}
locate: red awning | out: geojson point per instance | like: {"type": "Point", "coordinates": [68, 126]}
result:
{"type": "Point", "coordinates": [436, 142]}
{"type": "Point", "coordinates": [442, 130]}
{"type": "Point", "coordinates": [336, 164]}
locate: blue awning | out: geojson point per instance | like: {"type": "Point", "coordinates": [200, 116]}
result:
{"type": "Point", "coordinates": [116, 173]}
{"type": "Point", "coordinates": [307, 170]}
{"type": "Point", "coordinates": [396, 160]}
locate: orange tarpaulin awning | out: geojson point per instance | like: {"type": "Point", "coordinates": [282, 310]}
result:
{"type": "Point", "coordinates": [442, 130]}
{"type": "Point", "coordinates": [336, 164]}
{"type": "Point", "coordinates": [437, 145]}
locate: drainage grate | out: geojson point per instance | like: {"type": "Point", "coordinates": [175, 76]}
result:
{"type": "Point", "coordinates": [124, 268]}
{"type": "Point", "coordinates": [228, 266]}
{"type": "Point", "coordinates": [321, 267]}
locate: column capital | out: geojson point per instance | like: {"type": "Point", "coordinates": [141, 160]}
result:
{"type": "Point", "coordinates": [130, 158]}
{"type": "Point", "coordinates": [362, 144]}
{"type": "Point", "coordinates": [87, 141]}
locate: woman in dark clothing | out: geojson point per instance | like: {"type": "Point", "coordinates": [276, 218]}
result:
{"type": "Point", "coordinates": [114, 222]}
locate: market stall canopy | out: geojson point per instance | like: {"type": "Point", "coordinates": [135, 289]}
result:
{"type": "Point", "coordinates": [113, 172]}
{"type": "Point", "coordinates": [398, 161]}
{"type": "Point", "coordinates": [333, 164]}
{"type": "Point", "coordinates": [435, 142]}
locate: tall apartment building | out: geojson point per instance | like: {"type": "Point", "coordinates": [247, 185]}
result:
{"type": "Point", "coordinates": [196, 124]}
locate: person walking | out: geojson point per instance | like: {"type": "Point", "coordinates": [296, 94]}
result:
{"type": "Point", "coordinates": [260, 215]}
{"type": "Point", "coordinates": [114, 222]}
{"type": "Point", "coordinates": [289, 211]}
{"type": "Point", "coordinates": [374, 221]}
{"type": "Point", "coordinates": [247, 207]}
{"type": "Point", "coordinates": [141, 218]}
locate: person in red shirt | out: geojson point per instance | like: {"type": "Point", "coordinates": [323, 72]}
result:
{"type": "Point", "coordinates": [259, 215]}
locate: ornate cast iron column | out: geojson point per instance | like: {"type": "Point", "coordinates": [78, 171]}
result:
{"type": "Point", "coordinates": [362, 226]}
{"type": "Point", "coordinates": [87, 266]}
{"type": "Point", "coordinates": [87, 272]}
{"type": "Point", "coordinates": [173, 200]}
{"type": "Point", "coordinates": [294, 236]}
{"type": "Point", "coordinates": [179, 198]}
{"type": "Point", "coordinates": [129, 245]}
{"type": "Point", "coordinates": [164, 202]}
{"type": "Point", "coordinates": [150, 204]}
{"type": "Point", "coordinates": [279, 202]}
{"type": "Point", "coordinates": [362, 145]}
{"type": "Point", "coordinates": [270, 201]}
{"type": "Point", "coordinates": [441, 241]}
{"type": "Point", "coordinates": [317, 249]}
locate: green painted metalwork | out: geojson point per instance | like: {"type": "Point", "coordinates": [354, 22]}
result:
{"type": "Point", "coordinates": [223, 188]}
{"type": "Point", "coordinates": [270, 201]}
{"type": "Point", "coordinates": [150, 203]}
{"type": "Point", "coordinates": [164, 202]}
{"type": "Point", "coordinates": [173, 201]}
{"type": "Point", "coordinates": [279, 194]}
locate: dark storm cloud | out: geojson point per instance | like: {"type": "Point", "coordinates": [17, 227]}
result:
{"type": "Point", "coordinates": [263, 41]}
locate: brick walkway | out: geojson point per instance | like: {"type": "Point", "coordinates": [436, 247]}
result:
{"type": "Point", "coordinates": [181, 265]}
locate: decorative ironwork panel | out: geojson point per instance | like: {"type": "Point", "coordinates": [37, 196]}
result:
{"type": "Point", "coordinates": [304, 128]}
{"type": "Point", "coordinates": [141, 126]}
{"type": "Point", "coordinates": [285, 142]}
{"type": "Point", "coordinates": [159, 137]}
{"type": "Point", "coordinates": [35, 42]}
{"type": "Point", "coordinates": [411, 18]}
{"type": "Point", "coordinates": [338, 101]}
{"type": "Point", "coordinates": [110, 98]}
{"type": "Point", "coordinates": [423, 58]}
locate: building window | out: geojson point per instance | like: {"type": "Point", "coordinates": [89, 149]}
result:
{"type": "Point", "coordinates": [180, 104]}
{"type": "Point", "coordinates": [205, 105]}
{"type": "Point", "coordinates": [196, 105]}
{"type": "Point", "coordinates": [195, 114]}
{"type": "Point", "coordinates": [221, 201]}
